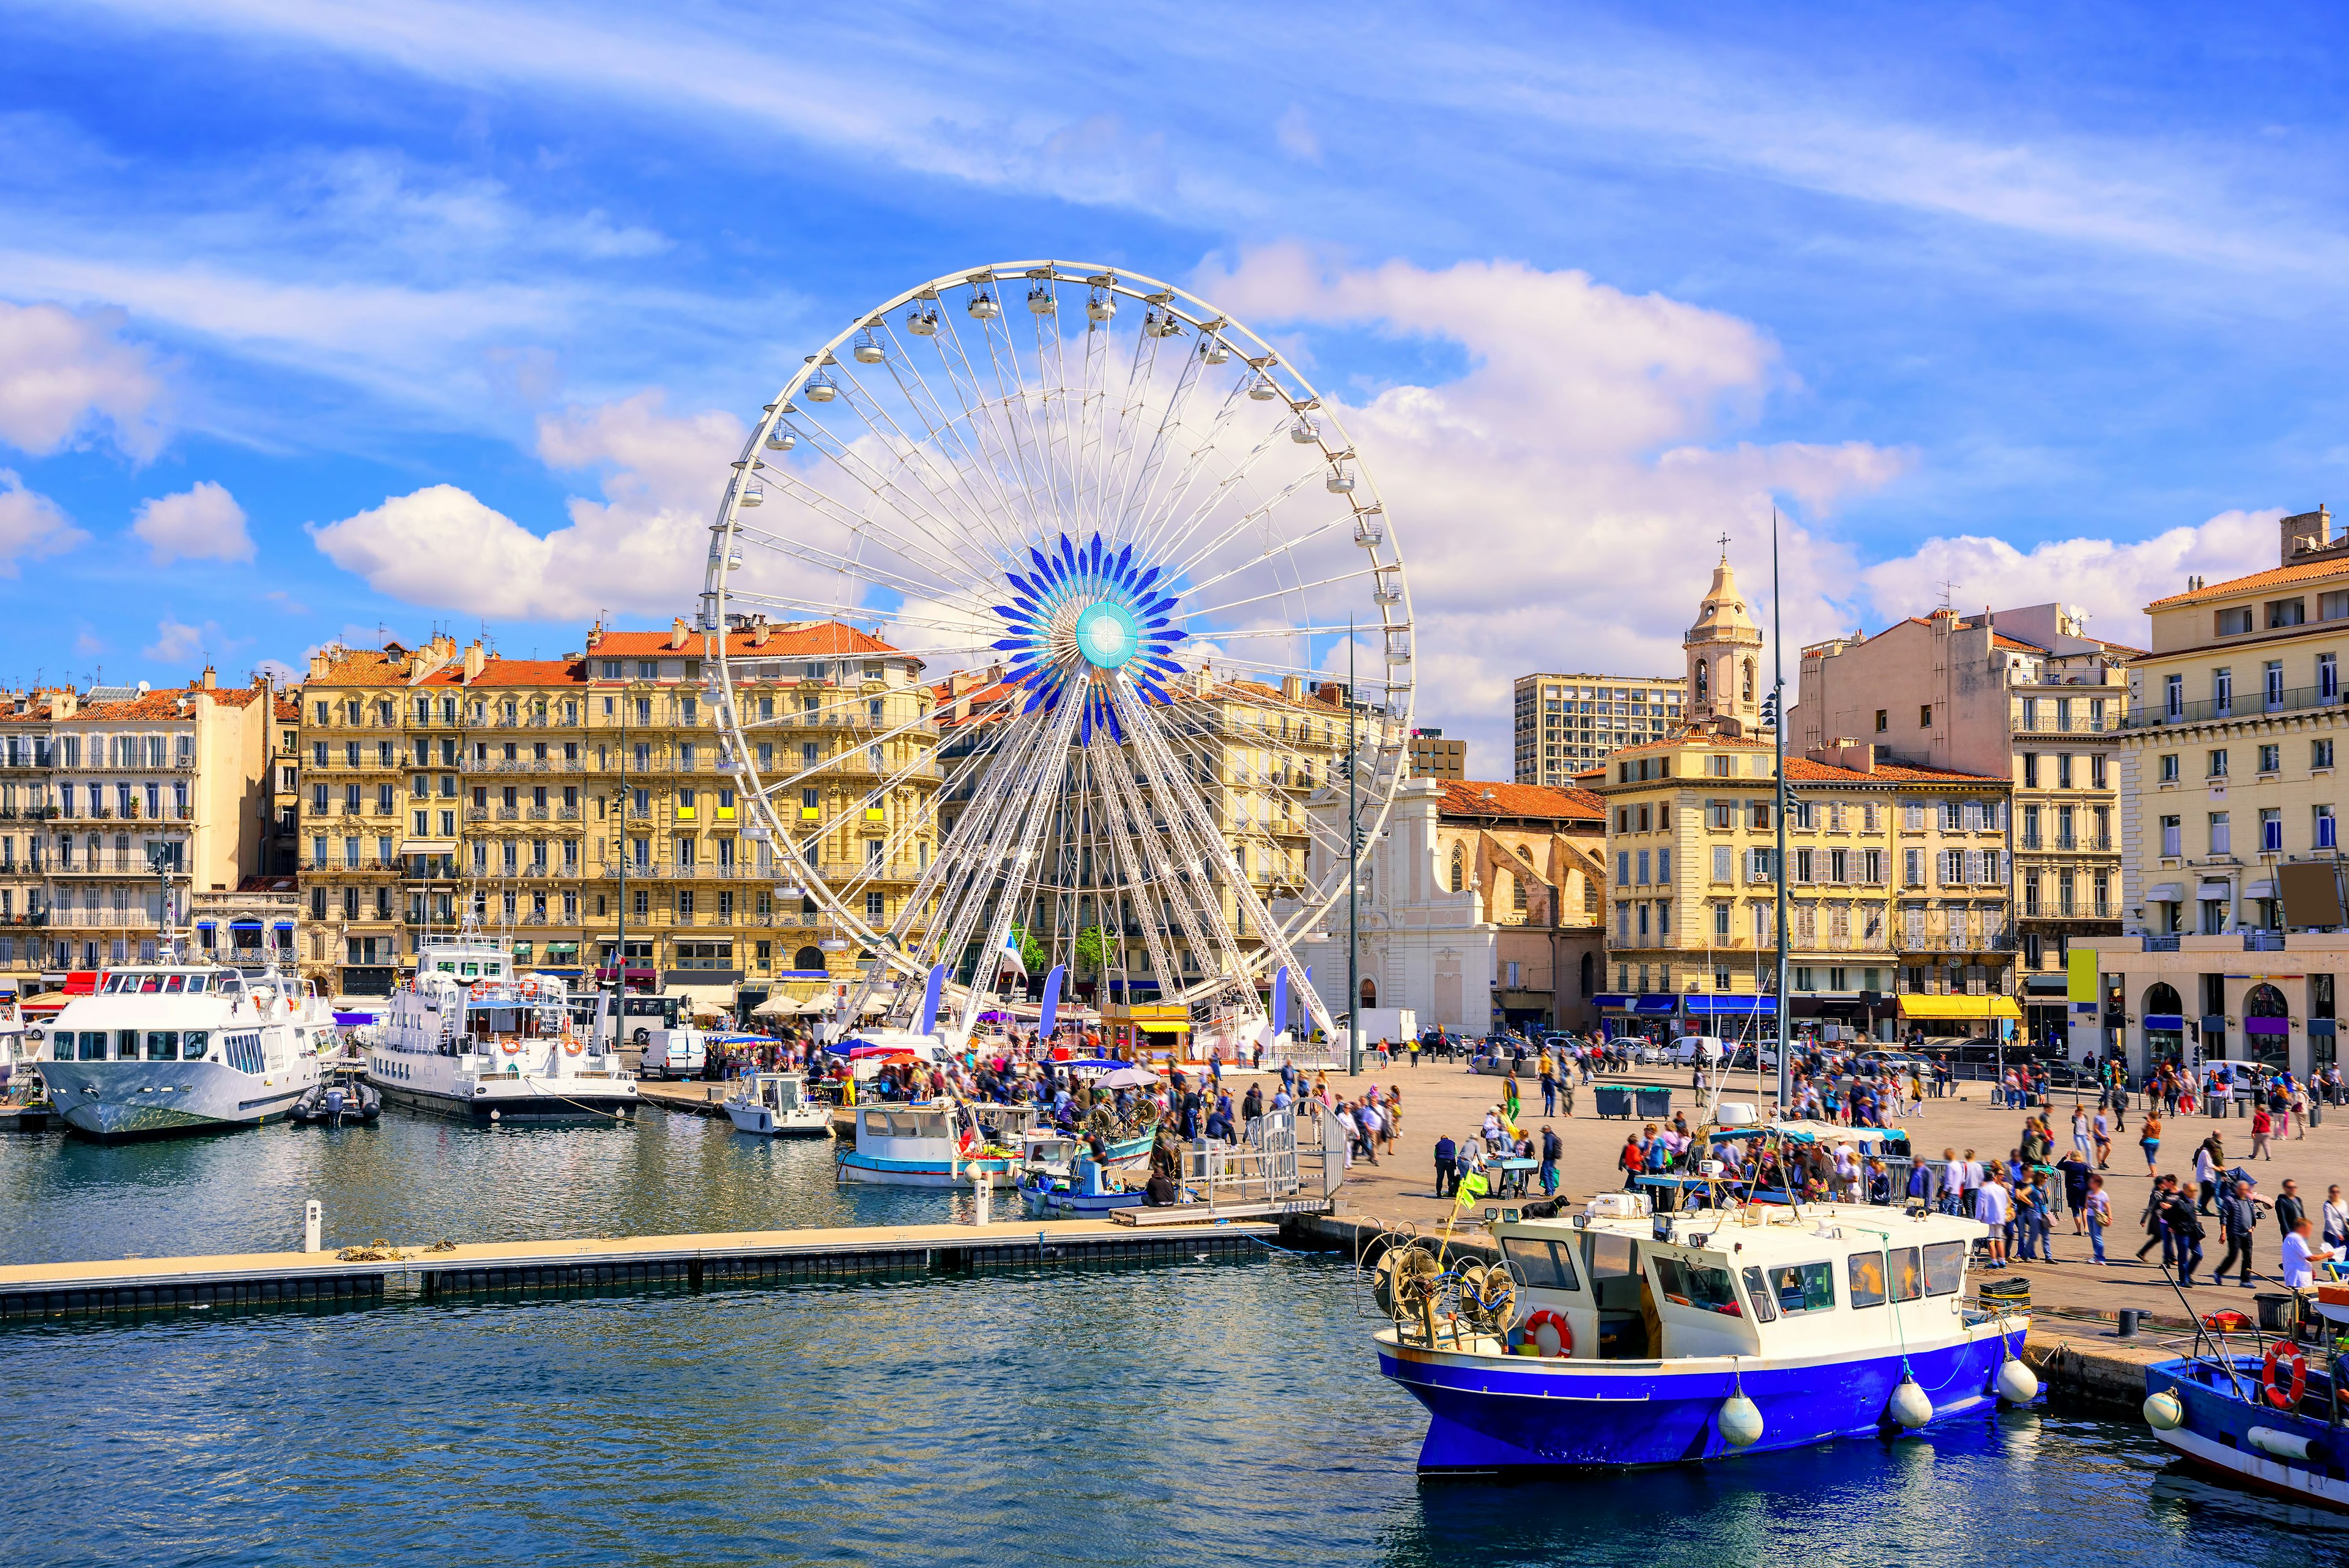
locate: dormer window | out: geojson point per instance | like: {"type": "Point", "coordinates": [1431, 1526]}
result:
{"type": "Point", "coordinates": [2287, 612]}
{"type": "Point", "coordinates": [2234, 622]}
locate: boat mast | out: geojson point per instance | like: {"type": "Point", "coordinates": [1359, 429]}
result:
{"type": "Point", "coordinates": [1778, 730]}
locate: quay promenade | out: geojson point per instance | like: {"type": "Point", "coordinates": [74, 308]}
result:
{"type": "Point", "coordinates": [1440, 1098]}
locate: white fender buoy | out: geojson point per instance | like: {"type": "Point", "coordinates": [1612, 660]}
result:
{"type": "Point", "coordinates": [1909, 1405]}
{"type": "Point", "coordinates": [2017, 1384]}
{"type": "Point", "coordinates": [2282, 1445]}
{"type": "Point", "coordinates": [2164, 1412]}
{"type": "Point", "coordinates": [1740, 1420]}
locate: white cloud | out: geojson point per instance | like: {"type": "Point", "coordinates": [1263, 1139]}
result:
{"type": "Point", "coordinates": [2112, 581]}
{"type": "Point", "coordinates": [640, 548]}
{"type": "Point", "coordinates": [200, 523]}
{"type": "Point", "coordinates": [286, 602]}
{"type": "Point", "coordinates": [32, 526]}
{"type": "Point", "coordinates": [1294, 132]}
{"type": "Point", "coordinates": [175, 643]}
{"type": "Point", "coordinates": [1556, 505]}
{"type": "Point", "coordinates": [62, 371]}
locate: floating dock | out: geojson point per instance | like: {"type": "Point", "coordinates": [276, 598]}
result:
{"type": "Point", "coordinates": [34, 1291]}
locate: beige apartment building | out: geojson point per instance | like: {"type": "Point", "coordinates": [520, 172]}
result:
{"type": "Point", "coordinates": [1433, 757]}
{"type": "Point", "coordinates": [2230, 791]}
{"type": "Point", "coordinates": [114, 801]}
{"type": "Point", "coordinates": [1567, 724]}
{"type": "Point", "coordinates": [1898, 907]}
{"type": "Point", "coordinates": [2024, 695]}
{"type": "Point", "coordinates": [587, 805]}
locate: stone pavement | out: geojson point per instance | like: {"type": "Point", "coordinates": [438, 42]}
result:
{"type": "Point", "coordinates": [1438, 1098]}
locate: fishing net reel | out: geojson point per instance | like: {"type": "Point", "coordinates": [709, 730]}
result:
{"type": "Point", "coordinates": [1405, 1277]}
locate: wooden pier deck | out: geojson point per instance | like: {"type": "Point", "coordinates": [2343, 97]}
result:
{"type": "Point", "coordinates": [30, 1292]}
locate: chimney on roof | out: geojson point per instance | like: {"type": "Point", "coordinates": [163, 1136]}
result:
{"type": "Point", "coordinates": [473, 659]}
{"type": "Point", "coordinates": [1844, 751]}
{"type": "Point", "coordinates": [594, 636]}
{"type": "Point", "coordinates": [759, 631]}
{"type": "Point", "coordinates": [676, 632]}
{"type": "Point", "coordinates": [2307, 533]}
{"type": "Point", "coordinates": [319, 661]}
{"type": "Point", "coordinates": [1293, 688]}
{"type": "Point", "coordinates": [208, 680]}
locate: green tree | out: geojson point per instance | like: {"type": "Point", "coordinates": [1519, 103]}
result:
{"type": "Point", "coordinates": [1031, 951]}
{"type": "Point", "coordinates": [1094, 949]}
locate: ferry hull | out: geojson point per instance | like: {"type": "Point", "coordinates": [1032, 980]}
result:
{"type": "Point", "coordinates": [2216, 1436]}
{"type": "Point", "coordinates": [854, 1165]}
{"type": "Point", "coordinates": [120, 1100]}
{"type": "Point", "coordinates": [528, 1110]}
{"type": "Point", "coordinates": [1504, 1414]}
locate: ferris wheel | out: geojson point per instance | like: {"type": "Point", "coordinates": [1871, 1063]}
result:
{"type": "Point", "coordinates": [1160, 614]}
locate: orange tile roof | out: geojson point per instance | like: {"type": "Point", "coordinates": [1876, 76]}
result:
{"type": "Point", "coordinates": [2278, 576]}
{"type": "Point", "coordinates": [496, 671]}
{"type": "Point", "coordinates": [787, 641]}
{"type": "Point", "coordinates": [1803, 768]}
{"type": "Point", "coordinates": [289, 710]}
{"type": "Point", "coordinates": [1467, 798]}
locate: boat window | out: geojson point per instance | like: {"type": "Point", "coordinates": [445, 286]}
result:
{"type": "Point", "coordinates": [492, 970]}
{"type": "Point", "coordinates": [197, 982]}
{"type": "Point", "coordinates": [1546, 1264]}
{"type": "Point", "coordinates": [1694, 1284]}
{"type": "Point", "coordinates": [1945, 1268]}
{"type": "Point", "coordinates": [1613, 1264]}
{"type": "Point", "coordinates": [193, 1044]}
{"type": "Point", "coordinates": [113, 983]}
{"type": "Point", "coordinates": [126, 1044]}
{"type": "Point", "coordinates": [173, 984]}
{"type": "Point", "coordinates": [472, 971]}
{"type": "Point", "coordinates": [1802, 1287]}
{"type": "Point", "coordinates": [1864, 1272]}
{"type": "Point", "coordinates": [1907, 1274]}
{"type": "Point", "coordinates": [1757, 1291]}
{"type": "Point", "coordinates": [148, 983]}
{"type": "Point", "coordinates": [93, 1044]}
{"type": "Point", "coordinates": [163, 1044]}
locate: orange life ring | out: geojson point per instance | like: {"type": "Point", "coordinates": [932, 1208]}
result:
{"type": "Point", "coordinates": [2273, 1391]}
{"type": "Point", "coordinates": [513, 1047]}
{"type": "Point", "coordinates": [1546, 1318]}
{"type": "Point", "coordinates": [570, 1046]}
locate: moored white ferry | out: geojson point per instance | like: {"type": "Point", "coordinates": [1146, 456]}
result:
{"type": "Point", "coordinates": [170, 1048]}
{"type": "Point", "coordinates": [471, 1038]}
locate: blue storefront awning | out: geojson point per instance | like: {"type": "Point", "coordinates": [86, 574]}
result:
{"type": "Point", "coordinates": [1653, 1003]}
{"type": "Point", "coordinates": [207, 925]}
{"type": "Point", "coordinates": [245, 925]}
{"type": "Point", "coordinates": [2320, 1026]}
{"type": "Point", "coordinates": [284, 925]}
{"type": "Point", "coordinates": [1732, 1006]}
{"type": "Point", "coordinates": [2173, 1022]}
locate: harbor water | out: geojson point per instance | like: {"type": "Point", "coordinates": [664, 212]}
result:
{"type": "Point", "coordinates": [1224, 1411]}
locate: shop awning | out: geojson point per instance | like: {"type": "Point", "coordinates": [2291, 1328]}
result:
{"type": "Point", "coordinates": [1732, 1006]}
{"type": "Point", "coordinates": [2173, 1022]}
{"type": "Point", "coordinates": [2166, 893]}
{"type": "Point", "coordinates": [207, 925]}
{"type": "Point", "coordinates": [1920, 1006]}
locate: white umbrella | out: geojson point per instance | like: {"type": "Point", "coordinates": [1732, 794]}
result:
{"type": "Point", "coordinates": [781, 1007]}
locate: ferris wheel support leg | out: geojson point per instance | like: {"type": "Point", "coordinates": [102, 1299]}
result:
{"type": "Point", "coordinates": [1011, 877]}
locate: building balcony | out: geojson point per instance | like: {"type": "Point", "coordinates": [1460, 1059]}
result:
{"type": "Point", "coordinates": [2238, 707]}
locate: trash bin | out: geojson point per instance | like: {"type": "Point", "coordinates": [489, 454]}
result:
{"type": "Point", "coordinates": [1614, 1102]}
{"type": "Point", "coordinates": [1655, 1103]}
{"type": "Point", "coordinates": [2274, 1309]}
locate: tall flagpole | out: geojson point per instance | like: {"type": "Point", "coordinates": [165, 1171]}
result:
{"type": "Point", "coordinates": [1353, 876]}
{"type": "Point", "coordinates": [1778, 688]}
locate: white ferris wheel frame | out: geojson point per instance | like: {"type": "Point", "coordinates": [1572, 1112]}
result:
{"type": "Point", "coordinates": [1183, 312]}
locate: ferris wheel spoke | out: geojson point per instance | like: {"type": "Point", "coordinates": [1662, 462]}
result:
{"type": "Point", "coordinates": [977, 530]}
{"type": "Point", "coordinates": [997, 906]}
{"type": "Point", "coordinates": [1138, 478]}
{"type": "Point", "coordinates": [1013, 436]}
{"type": "Point", "coordinates": [1283, 552]}
{"type": "Point", "coordinates": [847, 567]}
{"type": "Point", "coordinates": [959, 434]}
{"type": "Point", "coordinates": [1138, 846]}
{"type": "Point", "coordinates": [946, 550]}
{"type": "Point", "coordinates": [864, 524]}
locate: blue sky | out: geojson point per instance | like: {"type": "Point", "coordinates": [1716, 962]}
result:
{"type": "Point", "coordinates": [2043, 299]}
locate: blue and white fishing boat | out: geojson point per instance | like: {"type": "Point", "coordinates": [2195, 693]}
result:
{"type": "Point", "coordinates": [1618, 1338]}
{"type": "Point", "coordinates": [2271, 1420]}
{"type": "Point", "coordinates": [1059, 1179]}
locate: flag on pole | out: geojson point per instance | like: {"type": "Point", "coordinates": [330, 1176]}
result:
{"type": "Point", "coordinates": [1012, 956]}
{"type": "Point", "coordinates": [1473, 1185]}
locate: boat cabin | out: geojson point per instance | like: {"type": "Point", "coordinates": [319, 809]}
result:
{"type": "Point", "coordinates": [1748, 1281]}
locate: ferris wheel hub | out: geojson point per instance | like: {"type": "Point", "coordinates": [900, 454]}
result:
{"type": "Point", "coordinates": [1107, 634]}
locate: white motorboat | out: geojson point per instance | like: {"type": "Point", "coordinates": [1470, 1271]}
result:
{"type": "Point", "coordinates": [172, 1047]}
{"type": "Point", "coordinates": [776, 1105]}
{"type": "Point", "coordinates": [471, 1039]}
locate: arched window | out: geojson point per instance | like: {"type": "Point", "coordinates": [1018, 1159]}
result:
{"type": "Point", "coordinates": [2161, 1000]}
{"type": "Point", "coordinates": [2265, 1001]}
{"type": "Point", "coordinates": [1517, 894]}
{"type": "Point", "coordinates": [1749, 680]}
{"type": "Point", "coordinates": [1370, 993]}
{"type": "Point", "coordinates": [808, 957]}
{"type": "Point", "coordinates": [1701, 679]}
{"type": "Point", "coordinates": [1589, 967]}
{"type": "Point", "coordinates": [1459, 868]}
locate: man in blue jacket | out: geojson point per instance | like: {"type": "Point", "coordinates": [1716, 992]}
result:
{"type": "Point", "coordinates": [1447, 1170]}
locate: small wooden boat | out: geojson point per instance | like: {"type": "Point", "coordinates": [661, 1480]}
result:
{"type": "Point", "coordinates": [776, 1105]}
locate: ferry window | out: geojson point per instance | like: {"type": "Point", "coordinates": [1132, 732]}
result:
{"type": "Point", "coordinates": [1802, 1287]}
{"type": "Point", "coordinates": [150, 983]}
{"type": "Point", "coordinates": [1908, 1275]}
{"type": "Point", "coordinates": [1693, 1284]}
{"type": "Point", "coordinates": [1945, 1268]}
{"type": "Point", "coordinates": [197, 982]}
{"type": "Point", "coordinates": [1757, 1291]}
{"type": "Point", "coordinates": [194, 1043]}
{"type": "Point", "coordinates": [471, 971]}
{"type": "Point", "coordinates": [113, 983]}
{"type": "Point", "coordinates": [163, 1044]}
{"type": "Point", "coordinates": [493, 970]}
{"type": "Point", "coordinates": [93, 1044]}
{"type": "Point", "coordinates": [173, 984]}
{"type": "Point", "coordinates": [1613, 1264]}
{"type": "Point", "coordinates": [1864, 1272]}
{"type": "Point", "coordinates": [126, 1044]}
{"type": "Point", "coordinates": [1546, 1265]}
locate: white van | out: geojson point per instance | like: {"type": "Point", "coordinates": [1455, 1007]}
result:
{"type": "Point", "coordinates": [662, 1028]}
{"type": "Point", "coordinates": [1690, 1049]}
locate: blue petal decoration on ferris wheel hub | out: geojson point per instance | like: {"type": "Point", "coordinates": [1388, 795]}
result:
{"type": "Point", "coordinates": [1085, 613]}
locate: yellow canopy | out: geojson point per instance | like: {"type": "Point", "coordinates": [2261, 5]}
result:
{"type": "Point", "coordinates": [1913, 1005]}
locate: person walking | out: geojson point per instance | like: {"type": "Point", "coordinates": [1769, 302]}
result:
{"type": "Point", "coordinates": [2077, 1174]}
{"type": "Point", "coordinates": [2148, 1138]}
{"type": "Point", "coordinates": [2209, 1159]}
{"type": "Point", "coordinates": [2336, 1218]}
{"type": "Point", "coordinates": [1548, 1083]}
{"type": "Point", "coordinates": [1993, 1208]}
{"type": "Point", "coordinates": [2157, 1222]}
{"type": "Point", "coordinates": [2239, 1218]}
{"type": "Point", "coordinates": [1552, 1150]}
{"type": "Point", "coordinates": [2291, 1207]}
{"type": "Point", "coordinates": [1509, 1095]}
{"type": "Point", "coordinates": [2100, 1217]}
{"type": "Point", "coordinates": [1414, 1050]}
{"type": "Point", "coordinates": [2185, 1230]}
{"type": "Point", "coordinates": [1632, 1161]}
{"type": "Point", "coordinates": [2262, 1126]}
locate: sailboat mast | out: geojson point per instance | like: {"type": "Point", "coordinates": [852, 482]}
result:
{"type": "Point", "coordinates": [1778, 686]}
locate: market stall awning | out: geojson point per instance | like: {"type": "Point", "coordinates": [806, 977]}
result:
{"type": "Point", "coordinates": [1731, 1006]}
{"type": "Point", "coordinates": [1913, 1005]}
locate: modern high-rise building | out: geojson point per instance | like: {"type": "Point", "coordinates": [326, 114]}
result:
{"type": "Point", "coordinates": [1568, 725]}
